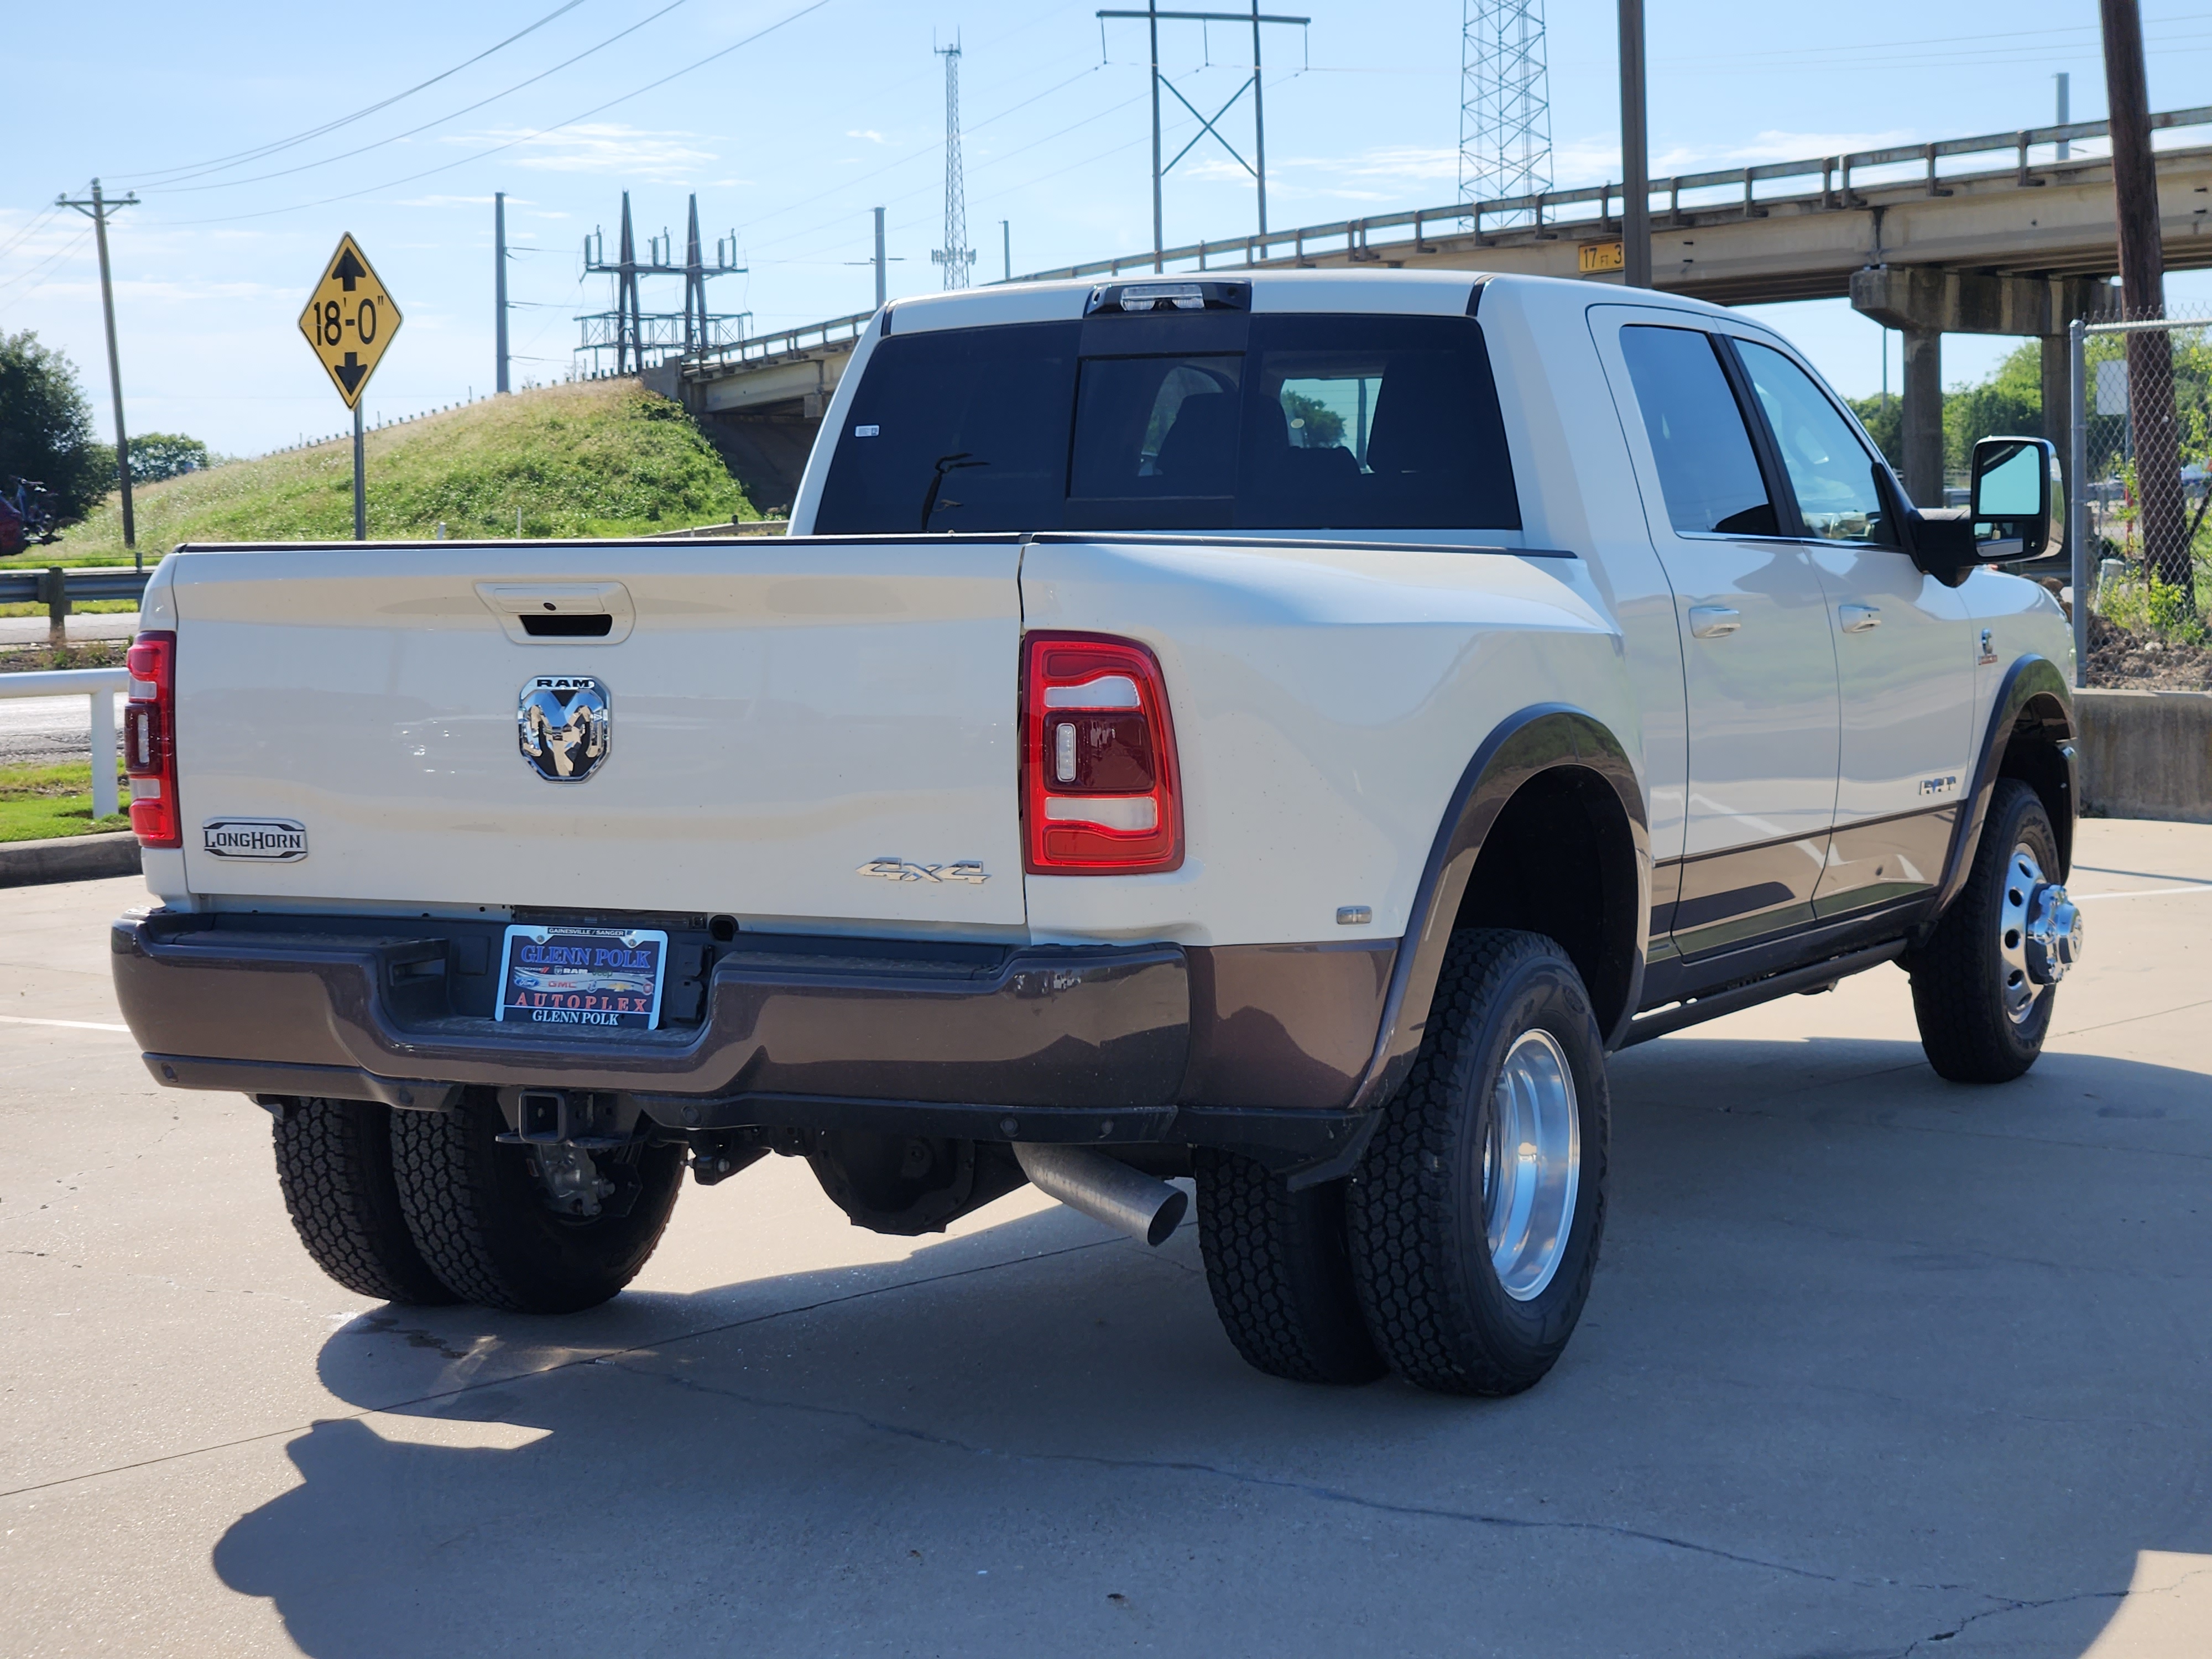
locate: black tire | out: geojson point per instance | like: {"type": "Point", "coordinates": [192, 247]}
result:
{"type": "Point", "coordinates": [1436, 1306]}
{"type": "Point", "coordinates": [1958, 976]}
{"type": "Point", "coordinates": [478, 1214]}
{"type": "Point", "coordinates": [334, 1166]}
{"type": "Point", "coordinates": [1281, 1278]}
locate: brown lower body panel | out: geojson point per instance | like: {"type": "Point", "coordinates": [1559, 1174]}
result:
{"type": "Point", "coordinates": [1285, 1028]}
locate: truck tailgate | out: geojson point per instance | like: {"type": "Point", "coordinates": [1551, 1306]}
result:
{"type": "Point", "coordinates": [783, 714]}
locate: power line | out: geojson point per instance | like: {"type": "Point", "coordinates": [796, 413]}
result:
{"type": "Point", "coordinates": [44, 217]}
{"type": "Point", "coordinates": [525, 138]}
{"type": "Point", "coordinates": [1028, 146]}
{"type": "Point", "coordinates": [923, 154]}
{"type": "Point", "coordinates": [194, 169]}
{"type": "Point", "coordinates": [72, 246]}
{"type": "Point", "coordinates": [439, 121]}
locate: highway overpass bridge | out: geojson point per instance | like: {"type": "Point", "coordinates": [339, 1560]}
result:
{"type": "Point", "coordinates": [1997, 235]}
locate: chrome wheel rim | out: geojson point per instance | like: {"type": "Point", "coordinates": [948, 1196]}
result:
{"type": "Point", "coordinates": [2023, 876]}
{"type": "Point", "coordinates": [1531, 1164]}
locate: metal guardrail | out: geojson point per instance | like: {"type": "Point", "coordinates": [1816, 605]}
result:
{"type": "Point", "coordinates": [1590, 209]}
{"type": "Point", "coordinates": [838, 331]}
{"type": "Point", "coordinates": [1593, 203]}
{"type": "Point", "coordinates": [92, 582]}
{"type": "Point", "coordinates": [100, 685]}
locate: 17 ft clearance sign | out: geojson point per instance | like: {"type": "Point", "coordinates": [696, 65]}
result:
{"type": "Point", "coordinates": [350, 319]}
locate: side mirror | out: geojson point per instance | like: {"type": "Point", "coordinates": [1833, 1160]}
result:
{"type": "Point", "coordinates": [2017, 502]}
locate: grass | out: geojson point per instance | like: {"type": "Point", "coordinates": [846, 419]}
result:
{"type": "Point", "coordinates": [39, 657]}
{"type": "Point", "coordinates": [598, 457]}
{"type": "Point", "coordinates": [2139, 602]}
{"type": "Point", "coordinates": [81, 607]}
{"type": "Point", "coordinates": [37, 802]}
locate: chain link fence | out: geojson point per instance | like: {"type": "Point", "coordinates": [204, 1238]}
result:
{"type": "Point", "coordinates": [2142, 450]}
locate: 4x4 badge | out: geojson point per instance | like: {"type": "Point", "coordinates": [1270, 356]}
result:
{"type": "Point", "coordinates": [565, 726]}
{"type": "Point", "coordinates": [968, 870]}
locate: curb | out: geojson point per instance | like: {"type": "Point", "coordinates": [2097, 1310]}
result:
{"type": "Point", "coordinates": [2146, 754]}
{"type": "Point", "coordinates": [68, 858]}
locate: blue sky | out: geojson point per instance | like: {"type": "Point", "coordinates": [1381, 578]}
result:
{"type": "Point", "coordinates": [816, 111]}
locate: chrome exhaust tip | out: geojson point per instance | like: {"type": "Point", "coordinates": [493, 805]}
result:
{"type": "Point", "coordinates": [1105, 1189]}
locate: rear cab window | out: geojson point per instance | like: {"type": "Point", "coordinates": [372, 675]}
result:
{"type": "Point", "coordinates": [1215, 421]}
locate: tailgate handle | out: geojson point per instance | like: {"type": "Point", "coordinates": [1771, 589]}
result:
{"type": "Point", "coordinates": [541, 626]}
{"type": "Point", "coordinates": [559, 611]}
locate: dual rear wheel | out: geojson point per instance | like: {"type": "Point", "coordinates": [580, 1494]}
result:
{"type": "Point", "coordinates": [433, 1207]}
{"type": "Point", "coordinates": [1460, 1253]}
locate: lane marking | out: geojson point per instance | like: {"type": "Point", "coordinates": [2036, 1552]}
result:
{"type": "Point", "coordinates": [68, 1024]}
{"type": "Point", "coordinates": [2147, 892]}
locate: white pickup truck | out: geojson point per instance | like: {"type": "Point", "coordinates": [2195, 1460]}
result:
{"type": "Point", "coordinates": [1283, 730]}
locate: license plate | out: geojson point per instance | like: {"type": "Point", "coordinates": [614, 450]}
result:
{"type": "Point", "coordinates": [598, 978]}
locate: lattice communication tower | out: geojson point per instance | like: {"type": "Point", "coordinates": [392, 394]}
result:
{"type": "Point", "coordinates": [1505, 104]}
{"type": "Point", "coordinates": [956, 256]}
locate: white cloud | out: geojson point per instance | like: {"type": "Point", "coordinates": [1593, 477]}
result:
{"type": "Point", "coordinates": [870, 134]}
{"type": "Point", "coordinates": [608, 148]}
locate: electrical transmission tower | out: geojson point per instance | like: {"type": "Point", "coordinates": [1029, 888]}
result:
{"type": "Point", "coordinates": [1505, 104]}
{"type": "Point", "coordinates": [639, 337]}
{"type": "Point", "coordinates": [956, 256]}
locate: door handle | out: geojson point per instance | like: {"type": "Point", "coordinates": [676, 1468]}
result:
{"type": "Point", "coordinates": [1713, 622]}
{"type": "Point", "coordinates": [1857, 618]}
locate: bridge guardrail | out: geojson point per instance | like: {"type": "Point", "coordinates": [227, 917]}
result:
{"type": "Point", "coordinates": [1588, 209]}
{"type": "Point", "coordinates": [1837, 174]}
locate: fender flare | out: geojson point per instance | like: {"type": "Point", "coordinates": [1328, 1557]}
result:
{"type": "Point", "coordinates": [1531, 741]}
{"type": "Point", "coordinates": [2029, 679]}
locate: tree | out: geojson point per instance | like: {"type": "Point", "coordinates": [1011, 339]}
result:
{"type": "Point", "coordinates": [2008, 403]}
{"type": "Point", "coordinates": [45, 429]}
{"type": "Point", "coordinates": [158, 455]}
{"type": "Point", "coordinates": [1883, 417]}
{"type": "Point", "coordinates": [1317, 425]}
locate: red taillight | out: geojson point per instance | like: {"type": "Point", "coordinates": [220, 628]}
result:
{"type": "Point", "coordinates": [150, 740]}
{"type": "Point", "coordinates": [1100, 795]}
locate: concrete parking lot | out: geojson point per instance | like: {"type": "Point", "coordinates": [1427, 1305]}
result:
{"type": "Point", "coordinates": [1875, 1365]}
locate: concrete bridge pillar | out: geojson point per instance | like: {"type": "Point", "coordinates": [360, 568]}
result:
{"type": "Point", "coordinates": [1922, 425]}
{"type": "Point", "coordinates": [1925, 302]}
{"type": "Point", "coordinates": [2058, 394]}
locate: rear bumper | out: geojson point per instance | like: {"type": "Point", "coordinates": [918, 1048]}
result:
{"type": "Point", "coordinates": [1040, 1043]}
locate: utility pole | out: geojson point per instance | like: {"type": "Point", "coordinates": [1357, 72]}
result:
{"type": "Point", "coordinates": [2142, 295]}
{"type": "Point", "coordinates": [1006, 241]}
{"type": "Point", "coordinates": [882, 262]}
{"type": "Point", "coordinates": [1259, 126]}
{"type": "Point", "coordinates": [499, 281]}
{"type": "Point", "coordinates": [956, 256]}
{"type": "Point", "coordinates": [2065, 84]}
{"type": "Point", "coordinates": [1257, 167]}
{"type": "Point", "coordinates": [1159, 232]}
{"type": "Point", "coordinates": [1635, 156]}
{"type": "Point", "coordinates": [97, 210]}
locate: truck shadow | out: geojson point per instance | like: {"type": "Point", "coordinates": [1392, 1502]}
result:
{"type": "Point", "coordinates": [1871, 1360]}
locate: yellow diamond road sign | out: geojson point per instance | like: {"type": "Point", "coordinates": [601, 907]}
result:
{"type": "Point", "coordinates": [350, 321]}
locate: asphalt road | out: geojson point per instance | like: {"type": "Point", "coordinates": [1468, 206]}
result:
{"type": "Point", "coordinates": [91, 625]}
{"type": "Point", "coordinates": [1874, 1366]}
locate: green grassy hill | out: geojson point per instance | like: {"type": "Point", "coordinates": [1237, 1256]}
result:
{"type": "Point", "coordinates": [598, 457]}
